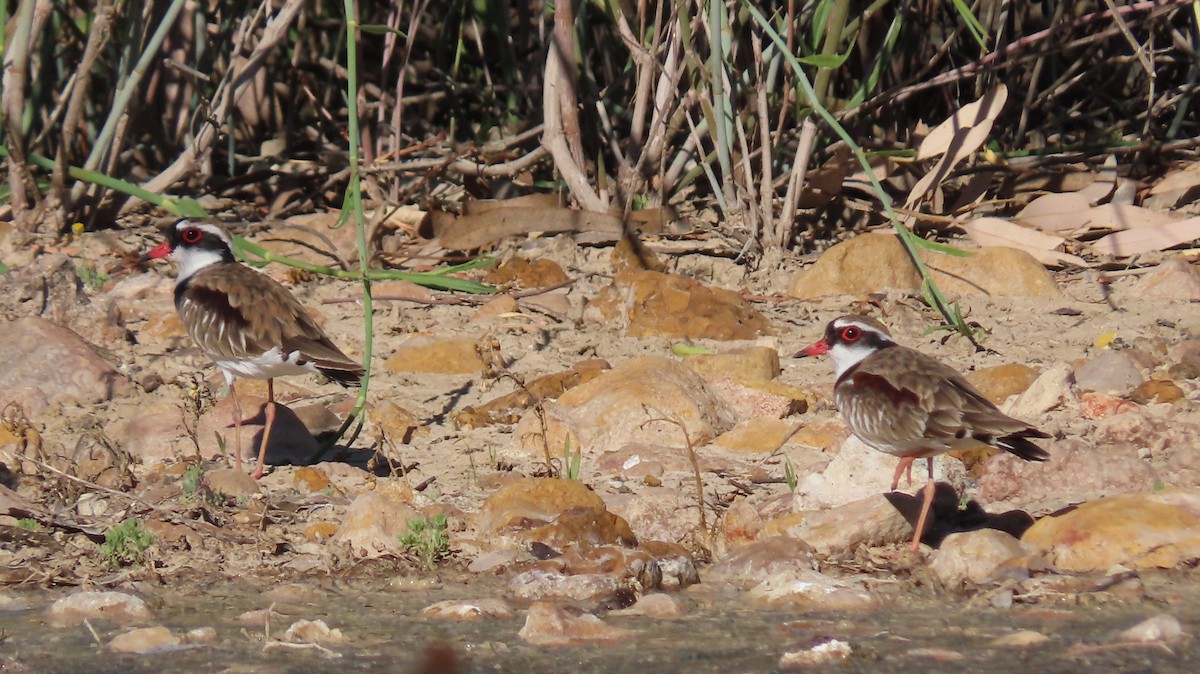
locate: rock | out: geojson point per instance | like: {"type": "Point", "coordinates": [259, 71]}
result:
{"type": "Point", "coordinates": [533, 499]}
{"type": "Point", "coordinates": [1020, 639]}
{"type": "Point", "coordinates": [654, 304]}
{"type": "Point", "coordinates": [1076, 472]}
{"type": "Point", "coordinates": [163, 329]}
{"type": "Point", "coordinates": [153, 432]}
{"type": "Point", "coordinates": [395, 422]}
{"type": "Point", "coordinates": [761, 559]}
{"type": "Point", "coordinates": [1111, 371]}
{"type": "Point", "coordinates": [749, 400]}
{"type": "Point", "coordinates": [55, 361]}
{"type": "Point", "coordinates": [580, 526]}
{"type": "Point", "coordinates": [522, 273]}
{"type": "Point", "coordinates": [1138, 531]}
{"type": "Point", "coordinates": [495, 308]}
{"type": "Point", "coordinates": [1173, 279]}
{"type": "Point", "coordinates": [145, 640]}
{"type": "Point", "coordinates": [312, 632]}
{"type": "Point", "coordinates": [593, 573]}
{"type": "Point", "coordinates": [1164, 628]}
{"type": "Point", "coordinates": [979, 557]}
{"type": "Point", "coordinates": [200, 636]}
{"type": "Point", "coordinates": [808, 590]}
{"type": "Point", "coordinates": [628, 404]}
{"type": "Point", "coordinates": [999, 382]}
{"type": "Point", "coordinates": [423, 354]}
{"type": "Point", "coordinates": [752, 364]}
{"type": "Point", "coordinates": [319, 532]}
{"type": "Point", "coordinates": [464, 609]}
{"type": "Point", "coordinates": [551, 625]}
{"type": "Point", "coordinates": [655, 605]}
{"type": "Point", "coordinates": [756, 436]}
{"type": "Point", "coordinates": [1051, 389]}
{"type": "Point", "coordinates": [506, 408]}
{"type": "Point", "coordinates": [857, 468]}
{"type": "Point", "coordinates": [870, 521]}
{"type": "Point", "coordinates": [676, 564]}
{"type": "Point", "coordinates": [875, 262]}
{"type": "Point", "coordinates": [230, 483]}
{"type": "Point", "coordinates": [80, 606]}
{"type": "Point", "coordinates": [258, 619]}
{"type": "Point", "coordinates": [374, 523]}
{"type": "Point", "coordinates": [825, 652]}
{"type": "Point", "coordinates": [1093, 405]}
{"type": "Point", "coordinates": [659, 512]}
{"type": "Point", "coordinates": [1156, 391]}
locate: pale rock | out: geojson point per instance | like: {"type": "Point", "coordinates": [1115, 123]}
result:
{"type": "Point", "coordinates": [654, 304]}
{"type": "Point", "coordinates": [1076, 472]}
{"type": "Point", "coordinates": [152, 431]}
{"type": "Point", "coordinates": [999, 382]}
{"type": "Point", "coordinates": [812, 591]}
{"type": "Point", "coordinates": [258, 619]}
{"type": "Point", "coordinates": [1164, 628]}
{"type": "Point", "coordinates": [551, 625]}
{"type": "Point", "coordinates": [554, 585]}
{"type": "Point", "coordinates": [91, 605]}
{"type": "Point", "coordinates": [870, 521]}
{"type": "Point", "coordinates": [655, 605]}
{"type": "Point", "coordinates": [1110, 371]}
{"type": "Point", "coordinates": [533, 499]}
{"type": "Point", "coordinates": [637, 459]}
{"type": "Point", "coordinates": [200, 636]}
{"type": "Point", "coordinates": [677, 566]}
{"type": "Point", "coordinates": [751, 364]}
{"type": "Point", "coordinates": [858, 468]}
{"type": "Point", "coordinates": [1020, 639]}
{"type": "Point", "coordinates": [422, 354]}
{"type": "Point", "coordinates": [290, 441]}
{"type": "Point", "coordinates": [750, 400]}
{"type": "Point", "coordinates": [640, 401]}
{"type": "Point", "coordinates": [231, 483]}
{"type": "Point", "coordinates": [876, 262]}
{"type": "Point", "coordinates": [145, 640]}
{"type": "Point", "coordinates": [1147, 530]}
{"type": "Point", "coordinates": [825, 652]}
{"type": "Point", "coordinates": [763, 558]}
{"type": "Point", "coordinates": [759, 435]}
{"type": "Point", "coordinates": [495, 308]}
{"type": "Point", "coordinates": [57, 362]}
{"type": "Point", "coordinates": [313, 632]}
{"type": "Point", "coordinates": [1173, 279]}
{"type": "Point", "coordinates": [935, 654]}
{"type": "Point", "coordinates": [468, 609]}
{"type": "Point", "coordinates": [981, 556]}
{"type": "Point", "coordinates": [374, 523]}
{"type": "Point", "coordinates": [1051, 389]}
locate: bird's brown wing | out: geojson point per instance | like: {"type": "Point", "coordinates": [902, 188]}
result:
{"type": "Point", "coordinates": [903, 402]}
{"type": "Point", "coordinates": [233, 311]}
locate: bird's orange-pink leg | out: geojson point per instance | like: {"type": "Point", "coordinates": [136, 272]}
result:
{"type": "Point", "coordinates": [266, 435]}
{"type": "Point", "coordinates": [237, 427]}
{"type": "Point", "coordinates": [925, 506]}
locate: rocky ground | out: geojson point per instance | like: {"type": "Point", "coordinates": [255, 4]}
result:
{"type": "Point", "coordinates": [613, 433]}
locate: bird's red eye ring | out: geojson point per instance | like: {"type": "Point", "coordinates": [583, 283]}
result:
{"type": "Point", "coordinates": [191, 235]}
{"type": "Point", "coordinates": [851, 333]}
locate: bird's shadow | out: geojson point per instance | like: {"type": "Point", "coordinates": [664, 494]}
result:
{"type": "Point", "coordinates": [950, 515]}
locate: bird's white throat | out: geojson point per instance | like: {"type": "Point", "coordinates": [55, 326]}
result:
{"type": "Point", "coordinates": [192, 260]}
{"type": "Point", "coordinates": [846, 356]}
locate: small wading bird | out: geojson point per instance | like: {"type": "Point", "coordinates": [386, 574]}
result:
{"type": "Point", "coordinates": [901, 402]}
{"type": "Point", "coordinates": [245, 321]}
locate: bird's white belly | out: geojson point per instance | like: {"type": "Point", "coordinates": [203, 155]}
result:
{"type": "Point", "coordinates": [266, 366]}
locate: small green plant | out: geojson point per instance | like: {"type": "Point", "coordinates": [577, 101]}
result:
{"type": "Point", "coordinates": [29, 524]}
{"type": "Point", "coordinates": [193, 482]}
{"type": "Point", "coordinates": [126, 543]}
{"type": "Point", "coordinates": [789, 474]}
{"type": "Point", "coordinates": [91, 276]}
{"type": "Point", "coordinates": [427, 539]}
{"type": "Point", "coordinates": [571, 460]}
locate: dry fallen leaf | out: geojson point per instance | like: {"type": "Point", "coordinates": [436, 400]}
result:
{"type": "Point", "coordinates": [1127, 216]}
{"type": "Point", "coordinates": [998, 232]}
{"type": "Point", "coordinates": [1067, 212]}
{"type": "Point", "coordinates": [1146, 239]}
{"type": "Point", "coordinates": [957, 138]}
{"type": "Point", "coordinates": [1104, 184]}
{"type": "Point", "coordinates": [1178, 180]}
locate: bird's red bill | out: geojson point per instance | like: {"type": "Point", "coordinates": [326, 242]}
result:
{"type": "Point", "coordinates": [161, 250]}
{"type": "Point", "coordinates": [819, 349]}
